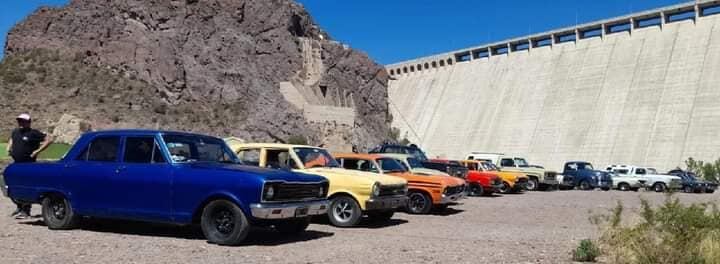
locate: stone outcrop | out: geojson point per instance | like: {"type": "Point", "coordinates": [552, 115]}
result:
{"type": "Point", "coordinates": [212, 66]}
{"type": "Point", "coordinates": [69, 128]}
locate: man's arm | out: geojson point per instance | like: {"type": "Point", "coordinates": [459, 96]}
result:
{"type": "Point", "coordinates": [43, 146]}
{"type": "Point", "coordinates": [9, 146]}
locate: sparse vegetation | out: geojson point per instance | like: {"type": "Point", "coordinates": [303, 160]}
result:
{"type": "Point", "coordinates": [394, 136]}
{"type": "Point", "coordinates": [53, 152]}
{"type": "Point", "coordinates": [670, 233]}
{"type": "Point", "coordinates": [707, 170]}
{"type": "Point", "coordinates": [587, 251]}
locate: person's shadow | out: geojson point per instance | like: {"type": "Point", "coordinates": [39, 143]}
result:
{"type": "Point", "coordinates": [257, 236]}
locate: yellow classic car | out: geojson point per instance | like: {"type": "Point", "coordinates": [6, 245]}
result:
{"type": "Point", "coordinates": [352, 194]}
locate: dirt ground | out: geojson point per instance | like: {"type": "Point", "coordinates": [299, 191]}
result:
{"type": "Point", "coordinates": [538, 227]}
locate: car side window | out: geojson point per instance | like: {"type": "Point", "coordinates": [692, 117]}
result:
{"type": "Point", "coordinates": [640, 171]}
{"type": "Point", "coordinates": [103, 149]}
{"type": "Point", "coordinates": [507, 163]}
{"type": "Point", "coordinates": [142, 150]}
{"type": "Point", "coordinates": [250, 156]}
{"type": "Point", "coordinates": [280, 159]}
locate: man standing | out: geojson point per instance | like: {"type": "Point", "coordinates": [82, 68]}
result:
{"type": "Point", "coordinates": [24, 146]}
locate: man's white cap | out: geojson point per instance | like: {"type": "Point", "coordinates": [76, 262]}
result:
{"type": "Point", "coordinates": [25, 117]}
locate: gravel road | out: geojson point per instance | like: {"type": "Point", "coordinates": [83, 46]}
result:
{"type": "Point", "coordinates": [537, 227]}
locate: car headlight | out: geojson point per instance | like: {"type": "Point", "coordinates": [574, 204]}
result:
{"type": "Point", "coordinates": [445, 190]}
{"type": "Point", "coordinates": [376, 189]}
{"type": "Point", "coordinates": [321, 192]}
{"type": "Point", "coordinates": [269, 193]}
{"type": "Point", "coordinates": [405, 189]}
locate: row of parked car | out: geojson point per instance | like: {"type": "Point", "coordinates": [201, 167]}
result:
{"type": "Point", "coordinates": [225, 186]}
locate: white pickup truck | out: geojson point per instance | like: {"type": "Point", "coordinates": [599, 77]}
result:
{"type": "Point", "coordinates": [539, 178]}
{"type": "Point", "coordinates": [653, 180]}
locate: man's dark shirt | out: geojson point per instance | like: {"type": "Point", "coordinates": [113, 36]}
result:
{"type": "Point", "coordinates": [24, 142]}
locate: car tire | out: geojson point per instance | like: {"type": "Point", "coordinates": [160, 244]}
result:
{"type": "Point", "coordinates": [381, 216]}
{"type": "Point", "coordinates": [505, 189]}
{"type": "Point", "coordinates": [585, 186]}
{"type": "Point", "coordinates": [709, 191]}
{"type": "Point", "coordinates": [624, 187]}
{"type": "Point", "coordinates": [659, 187]}
{"type": "Point", "coordinates": [533, 184]}
{"type": "Point", "coordinates": [293, 226]}
{"type": "Point", "coordinates": [344, 211]}
{"type": "Point", "coordinates": [58, 214]}
{"type": "Point", "coordinates": [419, 203]}
{"type": "Point", "coordinates": [477, 190]}
{"type": "Point", "coordinates": [688, 189]}
{"type": "Point", "coordinates": [224, 223]}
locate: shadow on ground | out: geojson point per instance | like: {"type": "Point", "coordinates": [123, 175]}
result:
{"type": "Point", "coordinates": [258, 235]}
{"type": "Point", "coordinates": [365, 223]}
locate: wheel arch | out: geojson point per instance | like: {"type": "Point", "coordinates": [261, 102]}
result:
{"type": "Point", "coordinates": [197, 213]}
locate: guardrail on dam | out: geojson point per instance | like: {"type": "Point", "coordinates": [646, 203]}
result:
{"type": "Point", "coordinates": [641, 89]}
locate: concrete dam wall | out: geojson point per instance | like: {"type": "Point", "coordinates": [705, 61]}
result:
{"type": "Point", "coordinates": [642, 89]}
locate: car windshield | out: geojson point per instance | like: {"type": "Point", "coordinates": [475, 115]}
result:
{"type": "Point", "coordinates": [414, 163]}
{"type": "Point", "coordinates": [417, 153]}
{"type": "Point", "coordinates": [488, 166]}
{"type": "Point", "coordinates": [315, 157]}
{"type": "Point", "coordinates": [195, 148]}
{"type": "Point", "coordinates": [692, 175]}
{"type": "Point", "coordinates": [389, 165]}
{"type": "Point", "coordinates": [521, 162]}
{"type": "Point", "coordinates": [586, 166]}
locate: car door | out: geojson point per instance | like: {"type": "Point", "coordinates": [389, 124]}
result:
{"type": "Point", "coordinates": [91, 171]}
{"type": "Point", "coordinates": [143, 181]}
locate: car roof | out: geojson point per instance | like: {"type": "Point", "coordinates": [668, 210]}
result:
{"type": "Point", "coordinates": [357, 156]}
{"type": "Point", "coordinates": [141, 132]}
{"type": "Point", "coordinates": [394, 155]}
{"type": "Point", "coordinates": [272, 145]}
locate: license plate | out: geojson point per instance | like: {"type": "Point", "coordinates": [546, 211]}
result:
{"type": "Point", "coordinates": [302, 211]}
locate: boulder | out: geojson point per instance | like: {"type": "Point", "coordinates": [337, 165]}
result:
{"type": "Point", "coordinates": [69, 128]}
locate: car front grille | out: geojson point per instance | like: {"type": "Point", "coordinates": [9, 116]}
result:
{"type": "Point", "coordinates": [295, 191]}
{"type": "Point", "coordinates": [454, 190]}
{"type": "Point", "coordinates": [550, 175]}
{"type": "Point", "coordinates": [387, 190]}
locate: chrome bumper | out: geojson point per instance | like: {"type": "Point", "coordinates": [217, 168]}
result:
{"type": "Point", "coordinates": [550, 182]}
{"type": "Point", "coordinates": [289, 210]}
{"type": "Point", "coordinates": [452, 198]}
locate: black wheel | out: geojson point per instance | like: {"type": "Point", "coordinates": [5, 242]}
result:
{"type": "Point", "coordinates": [293, 226]}
{"type": "Point", "coordinates": [659, 187]}
{"type": "Point", "coordinates": [688, 189]}
{"type": "Point", "coordinates": [532, 184]}
{"type": "Point", "coordinates": [709, 191]}
{"type": "Point", "coordinates": [505, 189]}
{"type": "Point", "coordinates": [58, 213]}
{"type": "Point", "coordinates": [477, 190]}
{"type": "Point", "coordinates": [344, 211]}
{"type": "Point", "coordinates": [624, 186]}
{"type": "Point", "coordinates": [224, 223]}
{"type": "Point", "coordinates": [419, 203]}
{"type": "Point", "coordinates": [585, 186]}
{"type": "Point", "coordinates": [381, 216]}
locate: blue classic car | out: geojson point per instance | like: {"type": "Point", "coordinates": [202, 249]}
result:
{"type": "Point", "coordinates": [582, 175]}
{"type": "Point", "coordinates": [168, 177]}
{"type": "Point", "coordinates": [692, 184]}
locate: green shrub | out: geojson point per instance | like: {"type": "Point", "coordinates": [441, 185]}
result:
{"type": "Point", "coordinates": [670, 233]}
{"type": "Point", "coordinates": [587, 251]}
{"type": "Point", "coordinates": [707, 170]}
{"type": "Point", "coordinates": [297, 140]}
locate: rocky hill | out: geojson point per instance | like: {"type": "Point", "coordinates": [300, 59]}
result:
{"type": "Point", "coordinates": [213, 66]}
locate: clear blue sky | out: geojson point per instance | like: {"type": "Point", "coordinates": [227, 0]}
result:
{"type": "Point", "coordinates": [395, 30]}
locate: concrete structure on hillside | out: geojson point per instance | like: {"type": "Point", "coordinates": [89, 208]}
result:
{"type": "Point", "coordinates": [641, 89]}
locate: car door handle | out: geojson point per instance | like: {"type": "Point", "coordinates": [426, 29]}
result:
{"type": "Point", "coordinates": [119, 169]}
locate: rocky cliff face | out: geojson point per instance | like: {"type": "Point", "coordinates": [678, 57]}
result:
{"type": "Point", "coordinates": [212, 66]}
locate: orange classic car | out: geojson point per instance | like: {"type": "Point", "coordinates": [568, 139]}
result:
{"type": "Point", "coordinates": [425, 192]}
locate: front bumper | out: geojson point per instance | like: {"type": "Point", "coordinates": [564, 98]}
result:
{"type": "Point", "coordinates": [549, 182]}
{"type": "Point", "coordinates": [446, 199]}
{"type": "Point", "coordinates": [288, 210]}
{"type": "Point", "coordinates": [386, 202]}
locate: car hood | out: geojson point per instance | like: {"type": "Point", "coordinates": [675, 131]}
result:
{"type": "Point", "coordinates": [436, 179]}
{"type": "Point", "coordinates": [428, 172]}
{"type": "Point", "coordinates": [354, 175]}
{"type": "Point", "coordinates": [263, 173]}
